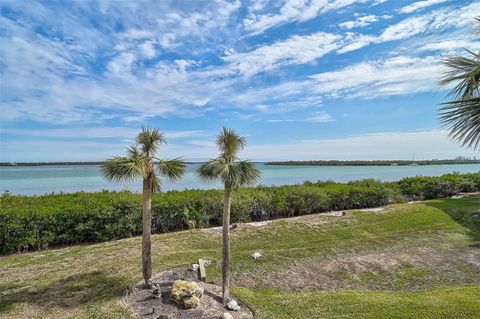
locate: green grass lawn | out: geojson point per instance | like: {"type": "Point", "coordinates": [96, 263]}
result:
{"type": "Point", "coordinates": [408, 261]}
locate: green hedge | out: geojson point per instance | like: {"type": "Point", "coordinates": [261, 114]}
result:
{"type": "Point", "coordinates": [39, 222]}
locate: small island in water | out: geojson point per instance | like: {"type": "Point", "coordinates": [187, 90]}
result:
{"type": "Point", "coordinates": [459, 160]}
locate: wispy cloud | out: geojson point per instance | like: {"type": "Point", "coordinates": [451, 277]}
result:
{"type": "Point", "coordinates": [94, 133]}
{"type": "Point", "coordinates": [442, 20]}
{"type": "Point", "coordinates": [294, 50]}
{"type": "Point", "coordinates": [420, 5]}
{"type": "Point", "coordinates": [280, 120]}
{"type": "Point", "coordinates": [437, 20]}
{"type": "Point", "coordinates": [425, 144]}
{"type": "Point", "coordinates": [395, 76]}
{"type": "Point", "coordinates": [361, 21]}
{"type": "Point", "coordinates": [321, 117]}
{"type": "Point", "coordinates": [316, 117]}
{"type": "Point", "coordinates": [294, 10]}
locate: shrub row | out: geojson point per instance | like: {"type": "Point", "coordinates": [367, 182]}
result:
{"type": "Point", "coordinates": [37, 222]}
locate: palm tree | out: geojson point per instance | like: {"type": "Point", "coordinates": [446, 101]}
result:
{"type": "Point", "coordinates": [462, 114]}
{"type": "Point", "coordinates": [139, 163]}
{"type": "Point", "coordinates": [233, 173]}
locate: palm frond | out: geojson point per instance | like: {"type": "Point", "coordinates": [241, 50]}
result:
{"type": "Point", "coordinates": [230, 143]}
{"type": "Point", "coordinates": [149, 140]}
{"type": "Point", "coordinates": [211, 170]}
{"type": "Point", "coordinates": [231, 175]}
{"type": "Point", "coordinates": [122, 168]}
{"type": "Point", "coordinates": [250, 174]}
{"type": "Point", "coordinates": [462, 117]}
{"type": "Point", "coordinates": [464, 72]}
{"type": "Point", "coordinates": [226, 167]}
{"type": "Point", "coordinates": [156, 183]}
{"type": "Point", "coordinates": [238, 174]}
{"type": "Point", "coordinates": [172, 169]}
{"type": "Point", "coordinates": [136, 155]}
{"type": "Point", "coordinates": [234, 174]}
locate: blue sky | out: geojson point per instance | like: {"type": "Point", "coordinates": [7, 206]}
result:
{"type": "Point", "coordinates": [318, 79]}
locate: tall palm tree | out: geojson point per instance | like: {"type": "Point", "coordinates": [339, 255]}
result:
{"type": "Point", "coordinates": [462, 114]}
{"type": "Point", "coordinates": [233, 173]}
{"type": "Point", "coordinates": [139, 164]}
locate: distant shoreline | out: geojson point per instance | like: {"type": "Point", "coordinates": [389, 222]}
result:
{"type": "Point", "coordinates": [374, 162]}
{"type": "Point", "coordinates": [288, 163]}
{"type": "Point", "coordinates": [57, 163]}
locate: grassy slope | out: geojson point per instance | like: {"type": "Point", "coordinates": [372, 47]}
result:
{"type": "Point", "coordinates": [88, 281]}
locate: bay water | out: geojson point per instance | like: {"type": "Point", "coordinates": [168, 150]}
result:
{"type": "Point", "coordinates": [38, 180]}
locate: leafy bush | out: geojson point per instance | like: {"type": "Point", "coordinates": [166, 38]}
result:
{"type": "Point", "coordinates": [39, 222]}
{"type": "Point", "coordinates": [439, 186]}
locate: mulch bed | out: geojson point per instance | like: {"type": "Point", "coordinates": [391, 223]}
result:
{"type": "Point", "coordinates": [144, 305]}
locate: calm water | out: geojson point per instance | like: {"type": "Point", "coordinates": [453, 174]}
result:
{"type": "Point", "coordinates": [47, 179]}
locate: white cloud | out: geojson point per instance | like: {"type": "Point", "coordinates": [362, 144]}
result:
{"type": "Point", "coordinates": [385, 145]}
{"type": "Point", "coordinates": [435, 21]}
{"type": "Point", "coordinates": [257, 5]}
{"type": "Point", "coordinates": [355, 41]}
{"type": "Point", "coordinates": [449, 45]}
{"type": "Point", "coordinates": [317, 117]}
{"type": "Point", "coordinates": [137, 34]}
{"type": "Point", "coordinates": [292, 11]}
{"type": "Point", "coordinates": [122, 64]}
{"type": "Point", "coordinates": [361, 21]}
{"type": "Point", "coordinates": [95, 133]}
{"type": "Point", "coordinates": [321, 117]}
{"type": "Point", "coordinates": [441, 22]}
{"type": "Point", "coordinates": [395, 76]}
{"type": "Point", "coordinates": [280, 120]}
{"type": "Point", "coordinates": [148, 49]}
{"type": "Point", "coordinates": [294, 50]}
{"type": "Point", "coordinates": [419, 5]}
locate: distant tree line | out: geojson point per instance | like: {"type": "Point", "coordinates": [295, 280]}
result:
{"type": "Point", "coordinates": [460, 160]}
{"type": "Point", "coordinates": [375, 162]}
{"type": "Point", "coordinates": [58, 163]}
{"type": "Point", "coordinates": [48, 163]}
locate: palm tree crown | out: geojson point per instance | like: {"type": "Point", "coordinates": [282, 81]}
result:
{"type": "Point", "coordinates": [139, 162]}
{"type": "Point", "coordinates": [462, 114]}
{"type": "Point", "coordinates": [227, 167]}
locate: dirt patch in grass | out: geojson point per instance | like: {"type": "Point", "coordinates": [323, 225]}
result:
{"type": "Point", "coordinates": [406, 270]}
{"type": "Point", "coordinates": [143, 304]}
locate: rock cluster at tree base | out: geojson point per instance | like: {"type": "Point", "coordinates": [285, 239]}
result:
{"type": "Point", "coordinates": [233, 305]}
{"type": "Point", "coordinates": [147, 305]}
{"type": "Point", "coordinates": [186, 294]}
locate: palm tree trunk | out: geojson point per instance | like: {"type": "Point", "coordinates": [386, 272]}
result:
{"type": "Point", "coordinates": [227, 200]}
{"type": "Point", "coordinates": [147, 229]}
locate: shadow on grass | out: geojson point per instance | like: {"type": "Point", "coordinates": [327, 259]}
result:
{"type": "Point", "coordinates": [465, 211]}
{"type": "Point", "coordinates": [67, 293]}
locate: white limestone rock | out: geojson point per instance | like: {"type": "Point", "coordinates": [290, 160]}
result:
{"type": "Point", "coordinates": [256, 255]}
{"type": "Point", "coordinates": [226, 315]}
{"type": "Point", "coordinates": [233, 305]}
